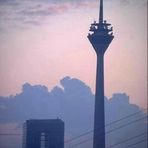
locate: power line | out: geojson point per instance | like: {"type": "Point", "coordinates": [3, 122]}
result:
{"type": "Point", "coordinates": [125, 125]}
{"type": "Point", "coordinates": [78, 136]}
{"type": "Point", "coordinates": [108, 124]}
{"type": "Point", "coordinates": [127, 140]}
{"type": "Point", "coordinates": [3, 134]}
{"type": "Point", "coordinates": [136, 143]}
{"type": "Point", "coordinates": [109, 131]}
{"type": "Point", "coordinates": [125, 117]}
{"type": "Point", "coordinates": [86, 133]}
{"type": "Point", "coordinates": [84, 141]}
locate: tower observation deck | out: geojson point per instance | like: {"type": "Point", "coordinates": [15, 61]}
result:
{"type": "Point", "coordinates": [100, 36]}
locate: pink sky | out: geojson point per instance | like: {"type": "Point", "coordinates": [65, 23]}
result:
{"type": "Point", "coordinates": [46, 42]}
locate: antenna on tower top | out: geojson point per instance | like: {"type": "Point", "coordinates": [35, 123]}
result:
{"type": "Point", "coordinates": [101, 12]}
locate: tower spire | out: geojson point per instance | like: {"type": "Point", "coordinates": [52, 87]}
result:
{"type": "Point", "coordinates": [101, 12]}
{"type": "Point", "coordinates": [100, 37]}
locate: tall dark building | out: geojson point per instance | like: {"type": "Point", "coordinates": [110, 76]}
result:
{"type": "Point", "coordinates": [43, 134]}
{"type": "Point", "coordinates": [100, 37]}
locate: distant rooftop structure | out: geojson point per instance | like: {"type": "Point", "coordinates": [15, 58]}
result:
{"type": "Point", "coordinates": [44, 133]}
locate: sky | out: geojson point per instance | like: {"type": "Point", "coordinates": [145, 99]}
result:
{"type": "Point", "coordinates": [42, 41]}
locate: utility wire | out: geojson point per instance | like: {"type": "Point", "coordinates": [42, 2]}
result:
{"type": "Point", "coordinates": [2, 134]}
{"type": "Point", "coordinates": [144, 140]}
{"type": "Point", "coordinates": [144, 133]}
{"type": "Point", "coordinates": [125, 117]}
{"type": "Point", "coordinates": [109, 131]}
{"type": "Point", "coordinates": [86, 133]}
{"type": "Point", "coordinates": [125, 125]}
{"type": "Point", "coordinates": [108, 124]}
{"type": "Point", "coordinates": [77, 137]}
{"type": "Point", "coordinates": [84, 141]}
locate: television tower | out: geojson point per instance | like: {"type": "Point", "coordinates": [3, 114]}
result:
{"type": "Point", "coordinates": [100, 37]}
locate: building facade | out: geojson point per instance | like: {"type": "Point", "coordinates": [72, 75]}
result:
{"type": "Point", "coordinates": [48, 133]}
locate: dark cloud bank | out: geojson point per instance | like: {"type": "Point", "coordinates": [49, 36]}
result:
{"type": "Point", "coordinates": [74, 103]}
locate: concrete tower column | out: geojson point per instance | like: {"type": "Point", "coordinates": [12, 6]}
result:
{"type": "Point", "coordinates": [100, 39]}
{"type": "Point", "coordinates": [99, 122]}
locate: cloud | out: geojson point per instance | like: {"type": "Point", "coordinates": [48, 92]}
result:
{"type": "Point", "coordinates": [29, 12]}
{"type": "Point", "coordinates": [9, 2]}
{"type": "Point", "coordinates": [131, 2]}
{"type": "Point", "coordinates": [40, 10]}
{"type": "Point", "coordinates": [22, 14]}
{"type": "Point", "coordinates": [73, 101]}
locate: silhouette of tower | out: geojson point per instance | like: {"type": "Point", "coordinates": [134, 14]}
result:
{"type": "Point", "coordinates": [100, 37]}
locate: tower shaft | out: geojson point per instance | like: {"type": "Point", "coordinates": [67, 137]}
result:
{"type": "Point", "coordinates": [99, 121]}
{"type": "Point", "coordinates": [100, 38]}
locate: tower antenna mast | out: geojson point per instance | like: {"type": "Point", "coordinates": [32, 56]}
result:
{"type": "Point", "coordinates": [101, 12]}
